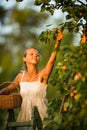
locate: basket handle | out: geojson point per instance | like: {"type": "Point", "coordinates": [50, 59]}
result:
{"type": "Point", "coordinates": [8, 82]}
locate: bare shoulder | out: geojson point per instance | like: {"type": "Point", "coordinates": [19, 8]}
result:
{"type": "Point", "coordinates": [19, 76]}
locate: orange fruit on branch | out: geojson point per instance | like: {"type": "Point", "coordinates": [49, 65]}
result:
{"type": "Point", "coordinates": [75, 91]}
{"type": "Point", "coordinates": [77, 76]}
{"type": "Point", "coordinates": [71, 94]}
{"type": "Point", "coordinates": [64, 67]}
{"type": "Point", "coordinates": [65, 109]}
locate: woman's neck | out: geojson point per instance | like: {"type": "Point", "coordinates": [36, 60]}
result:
{"type": "Point", "coordinates": [32, 70]}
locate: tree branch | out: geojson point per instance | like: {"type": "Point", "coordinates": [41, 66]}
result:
{"type": "Point", "coordinates": [61, 107]}
{"type": "Point", "coordinates": [81, 2]}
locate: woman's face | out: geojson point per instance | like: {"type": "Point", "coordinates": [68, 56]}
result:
{"type": "Point", "coordinates": [31, 56]}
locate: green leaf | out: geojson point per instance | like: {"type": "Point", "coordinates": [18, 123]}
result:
{"type": "Point", "coordinates": [66, 104]}
{"type": "Point", "coordinates": [58, 118]}
{"type": "Point", "coordinates": [38, 2]}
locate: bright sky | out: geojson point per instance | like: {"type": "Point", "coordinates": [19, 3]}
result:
{"type": "Point", "coordinates": [10, 3]}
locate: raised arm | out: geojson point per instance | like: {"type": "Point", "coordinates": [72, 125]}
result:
{"type": "Point", "coordinates": [48, 69]}
{"type": "Point", "coordinates": [12, 86]}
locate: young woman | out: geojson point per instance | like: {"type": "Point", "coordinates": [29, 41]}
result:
{"type": "Point", "coordinates": [33, 83]}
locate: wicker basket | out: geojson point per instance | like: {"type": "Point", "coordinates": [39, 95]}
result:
{"type": "Point", "coordinates": [10, 101]}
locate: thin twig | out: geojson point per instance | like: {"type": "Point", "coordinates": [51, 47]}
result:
{"type": "Point", "coordinates": [61, 107]}
{"type": "Point", "coordinates": [63, 99]}
{"type": "Point", "coordinates": [81, 2]}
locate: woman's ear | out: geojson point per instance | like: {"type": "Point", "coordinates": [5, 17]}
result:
{"type": "Point", "coordinates": [24, 59]}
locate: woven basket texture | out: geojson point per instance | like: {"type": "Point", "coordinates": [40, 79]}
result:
{"type": "Point", "coordinates": [10, 101]}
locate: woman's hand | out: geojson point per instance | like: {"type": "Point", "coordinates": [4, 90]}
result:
{"type": "Point", "coordinates": [4, 91]}
{"type": "Point", "coordinates": [59, 36]}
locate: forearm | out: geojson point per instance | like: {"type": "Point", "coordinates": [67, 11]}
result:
{"type": "Point", "coordinates": [14, 85]}
{"type": "Point", "coordinates": [55, 50]}
{"type": "Point", "coordinates": [56, 46]}
{"type": "Point", "coordinates": [4, 91]}
{"type": "Point", "coordinates": [51, 61]}
{"type": "Point", "coordinates": [10, 88]}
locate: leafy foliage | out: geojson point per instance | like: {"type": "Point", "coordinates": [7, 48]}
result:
{"type": "Point", "coordinates": [69, 79]}
{"type": "Point", "coordinates": [76, 11]}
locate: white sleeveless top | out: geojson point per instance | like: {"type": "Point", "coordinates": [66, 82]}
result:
{"type": "Point", "coordinates": [33, 94]}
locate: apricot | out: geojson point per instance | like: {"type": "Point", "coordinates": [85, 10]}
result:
{"type": "Point", "coordinates": [64, 67]}
{"type": "Point", "coordinates": [65, 109]}
{"type": "Point", "coordinates": [71, 94]}
{"type": "Point", "coordinates": [77, 76]}
{"type": "Point", "coordinates": [75, 91]}
{"type": "Point", "coordinates": [77, 97]}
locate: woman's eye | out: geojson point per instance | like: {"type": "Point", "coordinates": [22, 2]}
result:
{"type": "Point", "coordinates": [31, 54]}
